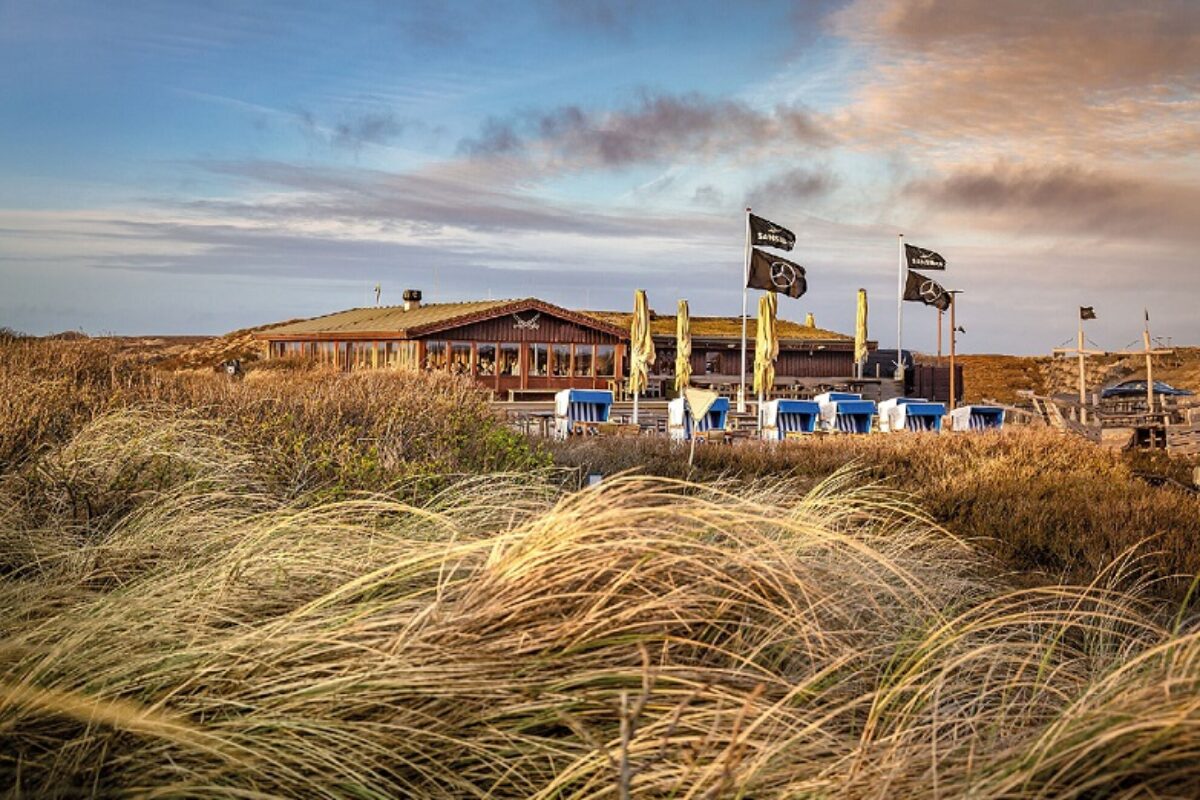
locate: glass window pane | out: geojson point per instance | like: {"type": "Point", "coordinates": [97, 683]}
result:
{"type": "Point", "coordinates": [583, 360]}
{"type": "Point", "coordinates": [435, 354]}
{"type": "Point", "coordinates": [605, 361]}
{"type": "Point", "coordinates": [538, 359]}
{"type": "Point", "coordinates": [487, 359]}
{"type": "Point", "coordinates": [460, 358]}
{"type": "Point", "coordinates": [510, 355]}
{"type": "Point", "coordinates": [560, 360]}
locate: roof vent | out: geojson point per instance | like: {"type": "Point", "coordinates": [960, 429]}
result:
{"type": "Point", "coordinates": [412, 299]}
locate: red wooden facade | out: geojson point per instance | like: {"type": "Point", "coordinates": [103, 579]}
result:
{"type": "Point", "coordinates": [530, 346]}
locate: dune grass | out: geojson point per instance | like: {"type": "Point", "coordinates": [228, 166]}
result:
{"type": "Point", "coordinates": [1040, 501]}
{"type": "Point", "coordinates": [204, 592]}
{"type": "Point", "coordinates": [645, 638]}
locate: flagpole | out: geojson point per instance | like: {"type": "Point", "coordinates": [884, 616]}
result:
{"type": "Point", "coordinates": [900, 316]}
{"type": "Point", "coordinates": [939, 356]}
{"type": "Point", "coordinates": [953, 340]}
{"type": "Point", "coordinates": [1149, 365]}
{"type": "Point", "coordinates": [741, 399]}
{"type": "Point", "coordinates": [1082, 374]}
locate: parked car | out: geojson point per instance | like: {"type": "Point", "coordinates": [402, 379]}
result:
{"type": "Point", "coordinates": [1138, 389]}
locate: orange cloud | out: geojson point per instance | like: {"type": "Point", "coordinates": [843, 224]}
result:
{"type": "Point", "coordinates": [1079, 77]}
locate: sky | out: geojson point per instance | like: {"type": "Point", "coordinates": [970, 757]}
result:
{"type": "Point", "coordinates": [193, 168]}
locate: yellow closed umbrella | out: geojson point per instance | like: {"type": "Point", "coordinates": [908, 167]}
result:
{"type": "Point", "coordinates": [766, 345]}
{"type": "Point", "coordinates": [683, 347]}
{"type": "Point", "coordinates": [860, 331]}
{"type": "Point", "coordinates": [641, 345]}
{"type": "Point", "coordinates": [810, 321]}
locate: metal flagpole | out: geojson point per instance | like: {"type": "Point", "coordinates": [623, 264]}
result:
{"type": "Point", "coordinates": [939, 356]}
{"type": "Point", "coordinates": [900, 316]}
{"type": "Point", "coordinates": [1082, 375]}
{"type": "Point", "coordinates": [1149, 365]}
{"type": "Point", "coordinates": [953, 341]}
{"type": "Point", "coordinates": [741, 400]}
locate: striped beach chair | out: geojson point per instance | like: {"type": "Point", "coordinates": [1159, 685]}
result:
{"type": "Point", "coordinates": [845, 412]}
{"type": "Point", "coordinates": [977, 418]}
{"type": "Point", "coordinates": [679, 421]}
{"type": "Point", "coordinates": [580, 405]}
{"type": "Point", "coordinates": [910, 414]}
{"type": "Point", "coordinates": [783, 417]}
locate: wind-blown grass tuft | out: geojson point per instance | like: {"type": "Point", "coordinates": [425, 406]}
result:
{"type": "Point", "coordinates": [645, 637]}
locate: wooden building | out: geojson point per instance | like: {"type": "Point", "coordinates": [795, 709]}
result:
{"type": "Point", "coordinates": [528, 345]}
{"type": "Point", "coordinates": [805, 352]}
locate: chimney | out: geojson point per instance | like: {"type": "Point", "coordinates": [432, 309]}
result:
{"type": "Point", "coordinates": [412, 299]}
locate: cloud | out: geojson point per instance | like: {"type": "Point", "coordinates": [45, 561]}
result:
{"type": "Point", "coordinates": [446, 197]}
{"type": "Point", "coordinates": [800, 183]}
{"type": "Point", "coordinates": [708, 195]}
{"type": "Point", "coordinates": [355, 129]}
{"type": "Point", "coordinates": [1064, 198]}
{"type": "Point", "coordinates": [655, 128]}
{"type": "Point", "coordinates": [1102, 77]}
{"type": "Point", "coordinates": [379, 127]}
{"type": "Point", "coordinates": [609, 17]}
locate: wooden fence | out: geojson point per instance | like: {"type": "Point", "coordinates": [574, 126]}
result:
{"type": "Point", "coordinates": [1184, 440]}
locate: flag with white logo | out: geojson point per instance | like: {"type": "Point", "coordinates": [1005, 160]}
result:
{"type": "Point", "coordinates": [921, 289]}
{"type": "Point", "coordinates": [765, 233]}
{"type": "Point", "coordinates": [774, 274]}
{"type": "Point", "coordinates": [920, 258]}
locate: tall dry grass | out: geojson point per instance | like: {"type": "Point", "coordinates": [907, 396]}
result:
{"type": "Point", "coordinates": [313, 585]}
{"type": "Point", "coordinates": [644, 638]}
{"type": "Point", "coordinates": [313, 431]}
{"type": "Point", "coordinates": [1040, 501]}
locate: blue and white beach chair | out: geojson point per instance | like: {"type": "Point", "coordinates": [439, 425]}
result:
{"type": "Point", "coordinates": [679, 421]}
{"type": "Point", "coordinates": [977, 418]}
{"type": "Point", "coordinates": [845, 412]}
{"type": "Point", "coordinates": [781, 417]}
{"type": "Point", "coordinates": [580, 405]}
{"type": "Point", "coordinates": [910, 414]}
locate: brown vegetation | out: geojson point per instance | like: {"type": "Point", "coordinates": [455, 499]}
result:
{"type": "Point", "coordinates": [317, 429]}
{"type": "Point", "coordinates": [195, 601]}
{"type": "Point", "coordinates": [998, 378]}
{"type": "Point", "coordinates": [1040, 500]}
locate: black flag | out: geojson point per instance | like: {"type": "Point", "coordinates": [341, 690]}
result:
{"type": "Point", "coordinates": [920, 258]}
{"type": "Point", "coordinates": [765, 233]}
{"type": "Point", "coordinates": [774, 274]}
{"type": "Point", "coordinates": [1087, 312]}
{"type": "Point", "coordinates": [921, 289]}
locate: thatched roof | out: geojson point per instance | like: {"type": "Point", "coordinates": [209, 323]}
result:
{"type": "Point", "coordinates": [722, 327]}
{"type": "Point", "coordinates": [395, 321]}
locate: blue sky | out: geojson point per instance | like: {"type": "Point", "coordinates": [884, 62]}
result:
{"type": "Point", "coordinates": [199, 167]}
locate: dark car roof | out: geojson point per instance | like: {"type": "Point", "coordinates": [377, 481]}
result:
{"type": "Point", "coordinates": [1139, 387]}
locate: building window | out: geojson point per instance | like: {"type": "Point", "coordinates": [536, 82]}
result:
{"type": "Point", "coordinates": [606, 361]}
{"type": "Point", "coordinates": [712, 363]}
{"type": "Point", "coordinates": [510, 358]}
{"type": "Point", "coordinates": [560, 360]}
{"type": "Point", "coordinates": [539, 360]}
{"type": "Point", "coordinates": [460, 358]}
{"type": "Point", "coordinates": [487, 359]}
{"type": "Point", "coordinates": [583, 361]}
{"type": "Point", "coordinates": [435, 354]}
{"type": "Point", "coordinates": [361, 354]}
